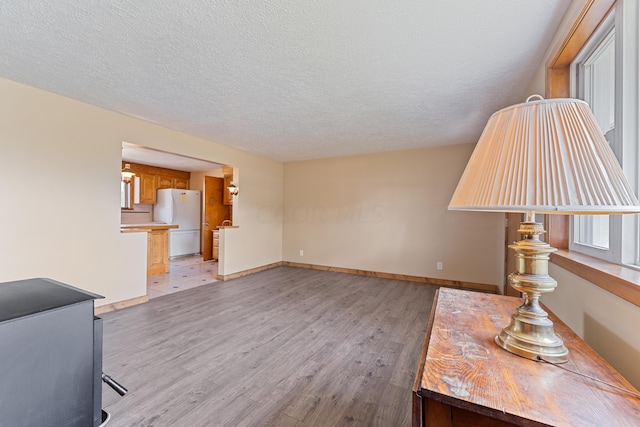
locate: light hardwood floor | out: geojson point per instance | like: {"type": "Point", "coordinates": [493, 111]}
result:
{"type": "Point", "coordinates": [284, 347]}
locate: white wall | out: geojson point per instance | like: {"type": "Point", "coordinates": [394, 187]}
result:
{"type": "Point", "coordinates": [60, 177]}
{"type": "Point", "coordinates": [387, 212]}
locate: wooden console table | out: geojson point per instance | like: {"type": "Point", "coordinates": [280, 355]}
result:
{"type": "Point", "coordinates": [465, 379]}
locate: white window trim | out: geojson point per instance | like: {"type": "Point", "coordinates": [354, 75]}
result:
{"type": "Point", "coordinates": [628, 86]}
{"type": "Point", "coordinates": [624, 230]}
{"type": "Point", "coordinates": [612, 253]}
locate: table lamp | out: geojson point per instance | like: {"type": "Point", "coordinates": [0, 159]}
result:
{"type": "Point", "coordinates": [547, 156]}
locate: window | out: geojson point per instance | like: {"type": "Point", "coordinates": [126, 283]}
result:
{"type": "Point", "coordinates": [126, 198]}
{"type": "Point", "coordinates": [605, 75]}
{"type": "Point", "coordinates": [595, 83]}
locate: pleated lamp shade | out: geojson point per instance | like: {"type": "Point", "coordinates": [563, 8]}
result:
{"type": "Point", "coordinates": [546, 156]}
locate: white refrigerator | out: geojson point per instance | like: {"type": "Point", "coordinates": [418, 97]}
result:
{"type": "Point", "coordinates": [182, 208]}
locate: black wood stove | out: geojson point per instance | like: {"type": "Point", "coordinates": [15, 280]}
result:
{"type": "Point", "coordinates": [50, 356]}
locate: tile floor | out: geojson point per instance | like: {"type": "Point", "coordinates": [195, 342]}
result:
{"type": "Point", "coordinates": [184, 273]}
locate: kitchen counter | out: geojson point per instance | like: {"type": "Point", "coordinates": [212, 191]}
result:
{"type": "Point", "coordinates": [147, 226]}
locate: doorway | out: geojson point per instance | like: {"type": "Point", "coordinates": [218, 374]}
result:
{"type": "Point", "coordinates": [214, 212]}
{"type": "Point", "coordinates": [206, 176]}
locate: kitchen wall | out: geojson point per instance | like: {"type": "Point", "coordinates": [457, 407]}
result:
{"type": "Point", "coordinates": [60, 179]}
{"type": "Point", "coordinates": [387, 212]}
{"type": "Point", "coordinates": [141, 213]}
{"type": "Point", "coordinates": [197, 178]}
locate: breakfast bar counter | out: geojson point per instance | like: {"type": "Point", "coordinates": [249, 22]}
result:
{"type": "Point", "coordinates": [147, 226]}
{"type": "Point", "coordinates": [157, 244]}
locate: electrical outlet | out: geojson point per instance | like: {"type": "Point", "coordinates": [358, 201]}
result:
{"type": "Point", "coordinates": [301, 252]}
{"type": "Point", "coordinates": [439, 265]}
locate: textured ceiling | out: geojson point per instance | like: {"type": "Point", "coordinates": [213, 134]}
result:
{"type": "Point", "coordinates": [289, 80]}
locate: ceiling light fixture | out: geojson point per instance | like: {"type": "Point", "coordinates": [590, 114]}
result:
{"type": "Point", "coordinates": [127, 173]}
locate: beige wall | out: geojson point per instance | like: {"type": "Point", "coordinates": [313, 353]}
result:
{"type": "Point", "coordinates": [608, 323]}
{"type": "Point", "coordinates": [60, 176]}
{"type": "Point", "coordinates": [388, 212]}
{"type": "Point", "coordinates": [604, 321]}
{"type": "Point", "coordinates": [537, 84]}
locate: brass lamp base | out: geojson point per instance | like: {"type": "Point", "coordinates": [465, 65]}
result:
{"type": "Point", "coordinates": [532, 341]}
{"type": "Point", "coordinates": [530, 333]}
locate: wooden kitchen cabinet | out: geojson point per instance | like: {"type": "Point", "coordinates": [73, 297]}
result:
{"type": "Point", "coordinates": [181, 183]}
{"type": "Point", "coordinates": [152, 178]}
{"type": "Point", "coordinates": [173, 182]}
{"type": "Point", "coordinates": [157, 252]}
{"type": "Point", "coordinates": [148, 187]}
{"type": "Point", "coordinates": [165, 181]}
{"type": "Point", "coordinates": [216, 244]}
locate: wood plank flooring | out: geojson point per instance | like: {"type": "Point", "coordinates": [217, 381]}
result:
{"type": "Point", "coordinates": [284, 347]}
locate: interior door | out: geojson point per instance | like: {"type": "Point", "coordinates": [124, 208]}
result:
{"type": "Point", "coordinates": [214, 212]}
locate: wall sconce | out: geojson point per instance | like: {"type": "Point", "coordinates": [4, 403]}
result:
{"type": "Point", "coordinates": [233, 190]}
{"type": "Point", "coordinates": [127, 173]}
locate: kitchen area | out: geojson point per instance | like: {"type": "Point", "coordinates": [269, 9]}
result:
{"type": "Point", "coordinates": [180, 210]}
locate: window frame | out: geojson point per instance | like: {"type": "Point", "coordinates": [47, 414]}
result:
{"type": "Point", "coordinates": [628, 76]}
{"type": "Point", "coordinates": [620, 280]}
{"type": "Point", "coordinates": [604, 33]}
{"type": "Point", "coordinates": [624, 230]}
